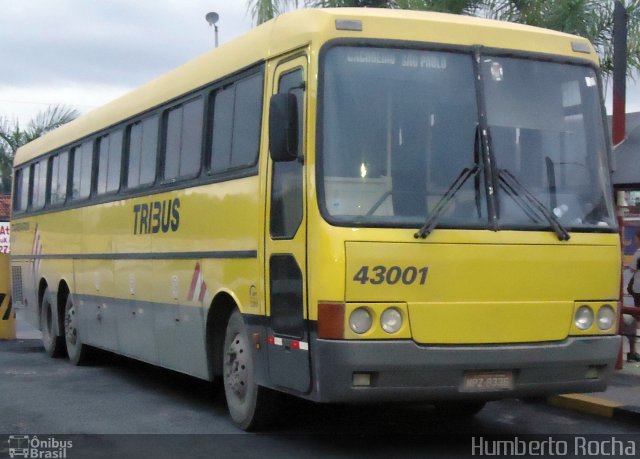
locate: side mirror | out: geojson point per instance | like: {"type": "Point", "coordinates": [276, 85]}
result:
{"type": "Point", "coordinates": [283, 127]}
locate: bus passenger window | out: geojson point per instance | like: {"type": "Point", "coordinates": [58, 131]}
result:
{"type": "Point", "coordinates": [183, 140]}
{"type": "Point", "coordinates": [222, 128]}
{"type": "Point", "coordinates": [82, 162]}
{"type": "Point", "coordinates": [22, 189]}
{"type": "Point", "coordinates": [286, 186]}
{"type": "Point", "coordinates": [237, 115]}
{"type": "Point", "coordinates": [110, 158]}
{"type": "Point", "coordinates": [39, 184]}
{"type": "Point", "coordinates": [172, 143]}
{"type": "Point", "coordinates": [59, 169]}
{"type": "Point", "coordinates": [143, 150]}
{"type": "Point", "coordinates": [246, 122]}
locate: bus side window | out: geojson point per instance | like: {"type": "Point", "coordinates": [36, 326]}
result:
{"type": "Point", "coordinates": [21, 189]}
{"type": "Point", "coordinates": [286, 186]}
{"type": "Point", "coordinates": [247, 118]}
{"type": "Point", "coordinates": [222, 128]}
{"type": "Point", "coordinates": [82, 162]}
{"type": "Point", "coordinates": [39, 184]}
{"type": "Point", "coordinates": [109, 162]}
{"type": "Point", "coordinates": [142, 150]}
{"type": "Point", "coordinates": [183, 140]}
{"type": "Point", "coordinates": [236, 121]}
{"type": "Point", "coordinates": [59, 171]}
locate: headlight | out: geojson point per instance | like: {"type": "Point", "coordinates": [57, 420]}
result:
{"type": "Point", "coordinates": [606, 317]}
{"type": "Point", "coordinates": [360, 320]}
{"type": "Point", "coordinates": [391, 320]}
{"type": "Point", "coordinates": [584, 317]}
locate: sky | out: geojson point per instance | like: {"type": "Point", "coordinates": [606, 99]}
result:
{"type": "Point", "coordinates": [84, 53]}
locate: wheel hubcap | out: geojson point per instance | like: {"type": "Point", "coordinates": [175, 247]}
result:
{"type": "Point", "coordinates": [70, 325]}
{"type": "Point", "coordinates": [235, 366]}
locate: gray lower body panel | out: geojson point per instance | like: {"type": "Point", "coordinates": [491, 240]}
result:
{"type": "Point", "coordinates": [168, 335]}
{"type": "Point", "coordinates": [406, 371]}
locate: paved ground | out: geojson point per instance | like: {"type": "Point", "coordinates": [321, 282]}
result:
{"type": "Point", "coordinates": [119, 395]}
{"type": "Point", "coordinates": [122, 396]}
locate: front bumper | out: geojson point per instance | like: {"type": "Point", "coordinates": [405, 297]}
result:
{"type": "Point", "coordinates": [406, 371]}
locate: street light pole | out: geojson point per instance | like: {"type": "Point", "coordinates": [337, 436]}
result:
{"type": "Point", "coordinates": [212, 18]}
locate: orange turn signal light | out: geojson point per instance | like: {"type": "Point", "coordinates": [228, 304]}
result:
{"type": "Point", "coordinates": [331, 320]}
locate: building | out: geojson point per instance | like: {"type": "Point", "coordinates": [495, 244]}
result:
{"type": "Point", "coordinates": [5, 207]}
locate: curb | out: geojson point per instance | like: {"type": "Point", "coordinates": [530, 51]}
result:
{"type": "Point", "coordinates": [596, 406]}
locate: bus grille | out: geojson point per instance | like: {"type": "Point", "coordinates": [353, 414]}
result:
{"type": "Point", "coordinates": [16, 276]}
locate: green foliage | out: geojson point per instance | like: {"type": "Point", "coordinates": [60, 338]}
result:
{"type": "Point", "coordinates": [263, 10]}
{"type": "Point", "coordinates": [13, 137]}
{"type": "Point", "coordinates": [592, 19]}
{"type": "Point", "coordinates": [470, 7]}
{"type": "Point", "coordinates": [351, 3]}
{"type": "Point", "coordinates": [446, 6]}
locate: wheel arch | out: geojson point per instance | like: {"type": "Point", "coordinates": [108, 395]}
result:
{"type": "Point", "coordinates": [221, 308]}
{"type": "Point", "coordinates": [62, 295]}
{"type": "Point", "coordinates": [42, 287]}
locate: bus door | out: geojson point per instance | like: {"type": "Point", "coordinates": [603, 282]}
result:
{"type": "Point", "coordinates": [285, 249]}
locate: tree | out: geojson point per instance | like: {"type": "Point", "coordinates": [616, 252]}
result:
{"type": "Point", "coordinates": [13, 137]}
{"type": "Point", "coordinates": [592, 19]}
{"type": "Point", "coordinates": [263, 10]}
{"type": "Point", "coordinates": [445, 6]}
{"type": "Point", "coordinates": [469, 7]}
{"type": "Point", "coordinates": [351, 4]}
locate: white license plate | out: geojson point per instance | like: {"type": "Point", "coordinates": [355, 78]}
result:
{"type": "Point", "coordinates": [487, 381]}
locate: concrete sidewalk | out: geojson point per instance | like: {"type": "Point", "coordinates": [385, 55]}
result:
{"type": "Point", "coordinates": [621, 400]}
{"type": "Point", "coordinates": [25, 330]}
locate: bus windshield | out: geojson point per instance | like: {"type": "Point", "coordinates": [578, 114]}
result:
{"type": "Point", "coordinates": [400, 126]}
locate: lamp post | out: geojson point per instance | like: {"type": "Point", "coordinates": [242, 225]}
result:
{"type": "Point", "coordinates": [212, 18]}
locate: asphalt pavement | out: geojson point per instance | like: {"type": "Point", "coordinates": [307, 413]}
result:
{"type": "Point", "coordinates": [99, 406]}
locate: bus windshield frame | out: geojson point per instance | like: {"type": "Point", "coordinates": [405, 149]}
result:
{"type": "Point", "coordinates": [530, 127]}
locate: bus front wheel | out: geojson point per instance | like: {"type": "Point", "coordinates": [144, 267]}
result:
{"type": "Point", "coordinates": [53, 344]}
{"type": "Point", "coordinates": [250, 405]}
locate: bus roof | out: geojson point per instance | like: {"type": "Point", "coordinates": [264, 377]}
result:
{"type": "Point", "coordinates": [300, 28]}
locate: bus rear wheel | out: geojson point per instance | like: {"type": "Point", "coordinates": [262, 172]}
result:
{"type": "Point", "coordinates": [78, 353]}
{"type": "Point", "coordinates": [53, 344]}
{"type": "Point", "coordinates": [251, 406]}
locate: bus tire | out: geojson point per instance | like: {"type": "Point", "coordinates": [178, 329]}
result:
{"type": "Point", "coordinates": [53, 344]}
{"type": "Point", "coordinates": [466, 408]}
{"type": "Point", "coordinates": [78, 353]}
{"type": "Point", "coordinates": [249, 404]}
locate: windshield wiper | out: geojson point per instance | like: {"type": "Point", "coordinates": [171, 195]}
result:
{"type": "Point", "coordinates": [529, 203]}
{"type": "Point", "coordinates": [444, 202]}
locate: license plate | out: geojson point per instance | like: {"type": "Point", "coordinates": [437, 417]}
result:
{"type": "Point", "coordinates": [487, 381]}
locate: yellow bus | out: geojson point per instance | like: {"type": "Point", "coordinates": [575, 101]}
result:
{"type": "Point", "coordinates": [345, 205]}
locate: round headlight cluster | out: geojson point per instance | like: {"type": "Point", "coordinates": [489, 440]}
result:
{"type": "Point", "coordinates": [584, 317]}
{"type": "Point", "coordinates": [391, 320]}
{"type": "Point", "coordinates": [360, 320]}
{"type": "Point", "coordinates": [606, 317]}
